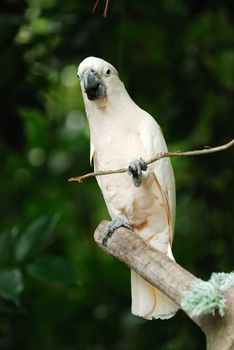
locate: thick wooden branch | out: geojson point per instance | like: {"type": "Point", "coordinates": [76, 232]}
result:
{"type": "Point", "coordinates": [220, 330]}
{"type": "Point", "coordinates": [152, 265]}
{"type": "Point", "coordinates": [169, 277]}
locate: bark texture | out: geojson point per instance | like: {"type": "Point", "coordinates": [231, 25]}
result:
{"type": "Point", "coordinates": [169, 277]}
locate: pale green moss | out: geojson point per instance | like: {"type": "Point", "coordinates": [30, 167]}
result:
{"type": "Point", "coordinates": [207, 297]}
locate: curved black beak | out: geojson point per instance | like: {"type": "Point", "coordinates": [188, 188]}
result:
{"type": "Point", "coordinates": [93, 85]}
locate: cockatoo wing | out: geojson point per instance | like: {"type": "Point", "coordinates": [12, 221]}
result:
{"type": "Point", "coordinates": [154, 143]}
{"type": "Point", "coordinates": [147, 301]}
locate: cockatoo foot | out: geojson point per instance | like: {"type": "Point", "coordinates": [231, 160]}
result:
{"type": "Point", "coordinates": [135, 169]}
{"type": "Point", "coordinates": [117, 222]}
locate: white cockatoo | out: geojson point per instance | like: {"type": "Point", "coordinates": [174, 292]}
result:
{"type": "Point", "coordinates": [122, 135]}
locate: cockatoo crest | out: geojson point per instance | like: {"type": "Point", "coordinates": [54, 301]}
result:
{"type": "Point", "coordinates": [99, 79]}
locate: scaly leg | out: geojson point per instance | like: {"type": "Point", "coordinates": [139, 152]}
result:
{"type": "Point", "coordinates": [117, 222]}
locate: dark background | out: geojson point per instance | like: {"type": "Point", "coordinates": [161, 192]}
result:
{"type": "Point", "coordinates": [58, 290]}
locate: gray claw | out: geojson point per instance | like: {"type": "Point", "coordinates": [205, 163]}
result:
{"type": "Point", "coordinates": [135, 169]}
{"type": "Point", "coordinates": [119, 221]}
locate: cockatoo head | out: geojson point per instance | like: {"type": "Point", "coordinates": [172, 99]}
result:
{"type": "Point", "coordinates": [98, 78]}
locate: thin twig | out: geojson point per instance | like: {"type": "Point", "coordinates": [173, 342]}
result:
{"type": "Point", "coordinates": [95, 5]}
{"type": "Point", "coordinates": [154, 159]}
{"type": "Point", "coordinates": [105, 9]}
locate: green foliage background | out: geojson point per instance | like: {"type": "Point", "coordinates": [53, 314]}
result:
{"type": "Point", "coordinates": [58, 290]}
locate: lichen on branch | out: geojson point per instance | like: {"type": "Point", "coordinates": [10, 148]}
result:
{"type": "Point", "coordinates": [207, 297]}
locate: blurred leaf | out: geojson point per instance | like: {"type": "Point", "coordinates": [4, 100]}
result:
{"type": "Point", "coordinates": [36, 237]}
{"type": "Point", "coordinates": [53, 270]}
{"type": "Point", "coordinates": [11, 285]}
{"type": "Point", "coordinates": [7, 242]}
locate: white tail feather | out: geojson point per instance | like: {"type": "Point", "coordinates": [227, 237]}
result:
{"type": "Point", "coordinates": [147, 301]}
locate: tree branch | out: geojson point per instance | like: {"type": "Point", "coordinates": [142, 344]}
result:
{"type": "Point", "coordinates": [171, 279]}
{"type": "Point", "coordinates": [151, 264]}
{"type": "Point", "coordinates": [154, 159]}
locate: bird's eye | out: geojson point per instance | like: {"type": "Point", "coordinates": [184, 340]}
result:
{"type": "Point", "coordinates": [78, 76]}
{"type": "Point", "coordinates": [107, 72]}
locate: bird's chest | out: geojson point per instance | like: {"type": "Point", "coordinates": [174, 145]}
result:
{"type": "Point", "coordinates": [116, 149]}
{"type": "Point", "coordinates": [118, 189]}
